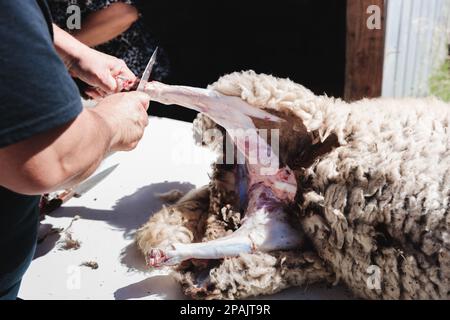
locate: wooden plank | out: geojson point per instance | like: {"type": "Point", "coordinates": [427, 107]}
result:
{"type": "Point", "coordinates": [364, 52]}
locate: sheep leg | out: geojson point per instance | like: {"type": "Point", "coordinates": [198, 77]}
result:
{"type": "Point", "coordinates": [235, 115]}
{"type": "Point", "coordinates": [265, 228]}
{"type": "Point", "coordinates": [227, 111]}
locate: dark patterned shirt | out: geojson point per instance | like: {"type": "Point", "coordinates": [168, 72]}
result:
{"type": "Point", "coordinates": [135, 46]}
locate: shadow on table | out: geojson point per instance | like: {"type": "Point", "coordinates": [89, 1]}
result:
{"type": "Point", "coordinates": [151, 286]}
{"type": "Point", "coordinates": [131, 211]}
{"type": "Point", "coordinates": [46, 240]}
{"type": "Point", "coordinates": [128, 214]}
{"type": "Point", "coordinates": [133, 259]}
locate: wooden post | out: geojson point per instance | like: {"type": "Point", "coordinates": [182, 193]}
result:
{"type": "Point", "coordinates": [364, 51]}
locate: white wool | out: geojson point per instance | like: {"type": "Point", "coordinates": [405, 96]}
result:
{"type": "Point", "coordinates": [381, 199]}
{"type": "Point", "coordinates": [267, 92]}
{"type": "Point", "coordinates": [390, 177]}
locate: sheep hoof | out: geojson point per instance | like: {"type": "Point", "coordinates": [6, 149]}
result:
{"type": "Point", "coordinates": [155, 258]}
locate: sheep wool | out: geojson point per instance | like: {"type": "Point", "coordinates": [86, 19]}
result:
{"type": "Point", "coordinates": [373, 206]}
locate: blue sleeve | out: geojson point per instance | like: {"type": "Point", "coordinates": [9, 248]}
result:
{"type": "Point", "coordinates": [37, 93]}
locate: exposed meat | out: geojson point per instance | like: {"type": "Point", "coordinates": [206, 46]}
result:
{"type": "Point", "coordinates": [269, 187]}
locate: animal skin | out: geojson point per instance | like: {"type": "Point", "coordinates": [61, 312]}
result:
{"type": "Point", "coordinates": [370, 208]}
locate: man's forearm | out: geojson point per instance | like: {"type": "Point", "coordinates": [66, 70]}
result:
{"type": "Point", "coordinates": [95, 144]}
{"type": "Point", "coordinates": [59, 158]}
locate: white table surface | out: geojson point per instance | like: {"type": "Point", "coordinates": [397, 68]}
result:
{"type": "Point", "coordinates": [165, 159]}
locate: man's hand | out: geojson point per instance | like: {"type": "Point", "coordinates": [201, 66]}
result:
{"type": "Point", "coordinates": [104, 73]}
{"type": "Point", "coordinates": [126, 115]}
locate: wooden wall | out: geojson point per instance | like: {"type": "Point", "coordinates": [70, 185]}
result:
{"type": "Point", "coordinates": [364, 51]}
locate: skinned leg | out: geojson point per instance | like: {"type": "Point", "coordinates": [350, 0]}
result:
{"type": "Point", "coordinates": [265, 228]}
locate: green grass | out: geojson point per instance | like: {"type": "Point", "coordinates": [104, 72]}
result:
{"type": "Point", "coordinates": [440, 82]}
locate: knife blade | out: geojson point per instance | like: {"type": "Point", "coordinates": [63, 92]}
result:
{"type": "Point", "coordinates": [148, 71]}
{"type": "Point", "coordinates": [54, 200]}
{"type": "Point", "coordinates": [91, 182]}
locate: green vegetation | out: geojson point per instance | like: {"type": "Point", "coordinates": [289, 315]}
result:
{"type": "Point", "coordinates": [440, 82]}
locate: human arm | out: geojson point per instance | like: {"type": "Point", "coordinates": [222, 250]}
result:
{"type": "Point", "coordinates": [47, 140]}
{"type": "Point", "coordinates": [66, 155]}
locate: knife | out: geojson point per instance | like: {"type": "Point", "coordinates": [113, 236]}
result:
{"type": "Point", "coordinates": [145, 76]}
{"type": "Point", "coordinates": [55, 200]}
{"type": "Point", "coordinates": [147, 72]}
{"type": "Point", "coordinates": [91, 182]}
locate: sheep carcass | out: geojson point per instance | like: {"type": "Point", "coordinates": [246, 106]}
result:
{"type": "Point", "coordinates": [361, 194]}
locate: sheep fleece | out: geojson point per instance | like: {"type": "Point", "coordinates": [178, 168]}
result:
{"type": "Point", "coordinates": [375, 208]}
{"type": "Point", "coordinates": [380, 201]}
